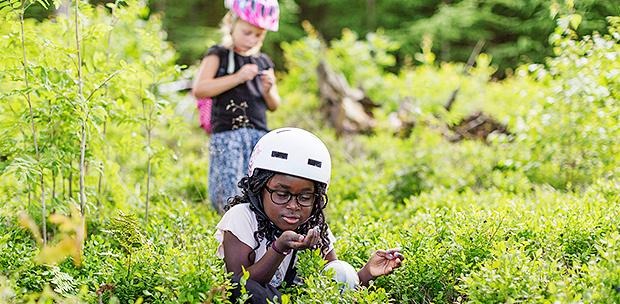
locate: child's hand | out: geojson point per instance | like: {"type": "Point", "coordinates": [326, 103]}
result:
{"type": "Point", "coordinates": [247, 72]}
{"type": "Point", "coordinates": [267, 78]}
{"type": "Point", "coordinates": [383, 262]}
{"type": "Point", "coordinates": [312, 238]}
{"type": "Point", "coordinates": [292, 240]}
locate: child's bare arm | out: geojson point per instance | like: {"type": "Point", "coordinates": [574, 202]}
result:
{"type": "Point", "coordinates": [207, 85]}
{"type": "Point", "coordinates": [237, 254]}
{"type": "Point", "coordinates": [381, 262]}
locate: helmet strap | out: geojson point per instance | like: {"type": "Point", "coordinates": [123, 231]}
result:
{"type": "Point", "coordinates": [260, 208]}
{"type": "Point", "coordinates": [258, 203]}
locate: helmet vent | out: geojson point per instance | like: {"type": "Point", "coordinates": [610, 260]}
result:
{"type": "Point", "coordinates": [313, 162]}
{"type": "Point", "coordinates": [281, 155]}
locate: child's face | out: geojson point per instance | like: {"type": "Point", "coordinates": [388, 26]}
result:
{"type": "Point", "coordinates": [246, 36]}
{"type": "Point", "coordinates": [288, 215]}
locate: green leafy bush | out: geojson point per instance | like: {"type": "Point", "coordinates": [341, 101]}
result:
{"type": "Point", "coordinates": [529, 216]}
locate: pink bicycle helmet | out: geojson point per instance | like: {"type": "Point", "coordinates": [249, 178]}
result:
{"type": "Point", "coordinates": [262, 13]}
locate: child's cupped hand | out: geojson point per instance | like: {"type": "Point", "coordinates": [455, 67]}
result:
{"type": "Point", "coordinates": [248, 72]}
{"type": "Point", "coordinates": [293, 240]}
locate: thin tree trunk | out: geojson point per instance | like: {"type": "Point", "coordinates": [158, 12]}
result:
{"type": "Point", "coordinates": [29, 189]}
{"type": "Point", "coordinates": [71, 179]}
{"type": "Point", "coordinates": [32, 126]}
{"type": "Point", "coordinates": [470, 63]}
{"type": "Point", "coordinates": [148, 126]}
{"type": "Point", "coordinates": [148, 185]}
{"type": "Point", "coordinates": [100, 181]}
{"type": "Point", "coordinates": [53, 185]}
{"type": "Point", "coordinates": [84, 113]}
{"type": "Point", "coordinates": [82, 168]}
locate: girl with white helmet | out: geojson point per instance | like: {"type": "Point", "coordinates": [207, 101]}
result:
{"type": "Point", "coordinates": [280, 211]}
{"type": "Point", "coordinates": [239, 83]}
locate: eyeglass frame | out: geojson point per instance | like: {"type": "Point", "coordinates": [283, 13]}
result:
{"type": "Point", "coordinates": [291, 195]}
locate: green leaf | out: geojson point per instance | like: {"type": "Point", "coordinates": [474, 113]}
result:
{"type": "Point", "coordinates": [45, 4]}
{"type": "Point", "coordinates": [575, 20]}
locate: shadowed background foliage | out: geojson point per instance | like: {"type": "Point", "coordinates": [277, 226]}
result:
{"type": "Point", "coordinates": [514, 32]}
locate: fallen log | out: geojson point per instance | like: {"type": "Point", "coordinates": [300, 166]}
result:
{"type": "Point", "coordinates": [477, 126]}
{"type": "Point", "coordinates": [348, 109]}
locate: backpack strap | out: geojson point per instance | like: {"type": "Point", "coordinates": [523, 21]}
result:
{"type": "Point", "coordinates": [291, 271]}
{"type": "Point", "coordinates": [227, 60]}
{"type": "Point", "coordinates": [231, 62]}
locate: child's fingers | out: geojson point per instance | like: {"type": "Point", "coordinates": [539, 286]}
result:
{"type": "Point", "coordinates": [292, 236]}
{"type": "Point", "coordinates": [267, 79]}
{"type": "Point", "coordinates": [267, 72]}
{"type": "Point", "coordinates": [380, 253]}
{"type": "Point", "coordinates": [316, 236]}
{"type": "Point", "coordinates": [390, 254]}
{"type": "Point", "coordinates": [293, 240]}
{"type": "Point", "coordinates": [307, 241]}
{"type": "Point", "coordinates": [393, 253]}
{"type": "Point", "coordinates": [298, 238]}
{"type": "Point", "coordinates": [310, 237]}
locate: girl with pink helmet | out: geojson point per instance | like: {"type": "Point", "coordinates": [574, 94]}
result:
{"type": "Point", "coordinates": [238, 82]}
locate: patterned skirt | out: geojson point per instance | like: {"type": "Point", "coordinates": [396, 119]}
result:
{"type": "Point", "coordinates": [229, 157]}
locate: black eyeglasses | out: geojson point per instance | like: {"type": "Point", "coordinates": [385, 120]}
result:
{"type": "Point", "coordinates": [280, 197]}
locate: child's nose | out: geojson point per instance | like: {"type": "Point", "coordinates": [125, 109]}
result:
{"type": "Point", "coordinates": [293, 203]}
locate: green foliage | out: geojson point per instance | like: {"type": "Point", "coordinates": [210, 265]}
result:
{"type": "Point", "coordinates": [117, 72]}
{"type": "Point", "coordinates": [526, 217]}
{"type": "Point", "coordinates": [126, 231]}
{"type": "Point", "coordinates": [515, 31]}
{"type": "Point", "coordinates": [318, 287]}
{"type": "Point", "coordinates": [579, 112]}
{"type": "Point", "coordinates": [62, 283]}
{"type": "Point", "coordinates": [457, 233]}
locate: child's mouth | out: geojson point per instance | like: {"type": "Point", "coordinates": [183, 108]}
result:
{"type": "Point", "coordinates": [290, 220]}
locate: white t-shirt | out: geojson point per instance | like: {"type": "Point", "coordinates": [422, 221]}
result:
{"type": "Point", "coordinates": [242, 223]}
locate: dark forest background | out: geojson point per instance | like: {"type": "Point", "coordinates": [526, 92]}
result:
{"type": "Point", "coordinates": [513, 32]}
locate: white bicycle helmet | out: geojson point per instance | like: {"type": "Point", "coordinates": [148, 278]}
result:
{"type": "Point", "coordinates": [292, 151]}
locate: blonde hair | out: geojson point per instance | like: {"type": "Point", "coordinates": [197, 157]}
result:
{"type": "Point", "coordinates": [226, 27]}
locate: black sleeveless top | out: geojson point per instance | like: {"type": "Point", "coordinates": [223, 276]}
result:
{"type": "Point", "coordinates": [242, 106]}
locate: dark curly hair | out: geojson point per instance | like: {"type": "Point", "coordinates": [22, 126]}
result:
{"type": "Point", "coordinates": [251, 187]}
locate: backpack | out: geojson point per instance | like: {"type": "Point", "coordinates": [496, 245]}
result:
{"type": "Point", "coordinates": [204, 113]}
